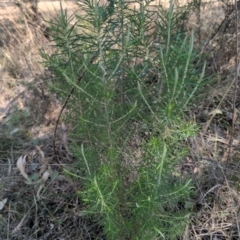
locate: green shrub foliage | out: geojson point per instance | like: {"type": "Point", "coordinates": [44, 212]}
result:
{"type": "Point", "coordinates": [133, 77]}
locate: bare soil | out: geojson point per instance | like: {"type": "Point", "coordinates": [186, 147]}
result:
{"type": "Point", "coordinates": [9, 9]}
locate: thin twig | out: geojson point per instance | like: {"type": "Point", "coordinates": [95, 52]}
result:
{"type": "Point", "coordinates": [221, 28]}
{"type": "Point", "coordinates": [209, 191]}
{"type": "Point", "coordinates": [234, 116]}
{"type": "Point", "coordinates": [65, 103]}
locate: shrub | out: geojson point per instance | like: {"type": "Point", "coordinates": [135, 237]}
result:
{"type": "Point", "coordinates": [132, 78]}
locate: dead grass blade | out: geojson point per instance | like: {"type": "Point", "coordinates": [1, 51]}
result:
{"type": "Point", "coordinates": [21, 163]}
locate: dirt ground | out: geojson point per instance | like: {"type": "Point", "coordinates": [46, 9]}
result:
{"type": "Point", "coordinates": [9, 9]}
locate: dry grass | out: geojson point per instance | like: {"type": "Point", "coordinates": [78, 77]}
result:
{"type": "Point", "coordinates": [48, 209]}
{"type": "Point", "coordinates": [216, 161]}
{"type": "Point", "coordinates": [51, 209]}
